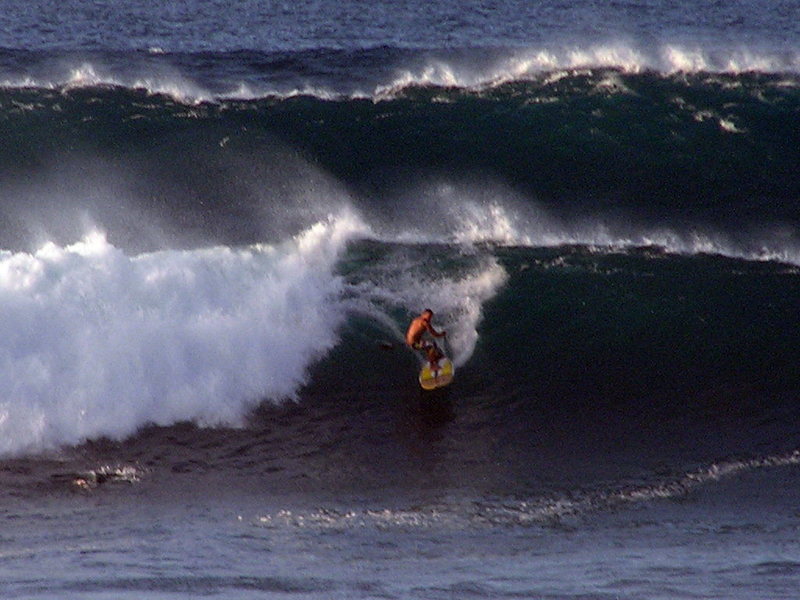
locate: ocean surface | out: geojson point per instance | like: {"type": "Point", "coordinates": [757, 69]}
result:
{"type": "Point", "coordinates": [218, 218]}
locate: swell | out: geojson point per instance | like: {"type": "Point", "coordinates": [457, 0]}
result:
{"type": "Point", "coordinates": [720, 148]}
{"type": "Point", "coordinates": [376, 71]}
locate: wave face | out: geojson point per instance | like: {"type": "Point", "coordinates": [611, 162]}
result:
{"type": "Point", "coordinates": [190, 248]}
{"type": "Point", "coordinates": [713, 147]}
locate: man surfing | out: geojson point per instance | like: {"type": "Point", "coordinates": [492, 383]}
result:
{"type": "Point", "coordinates": [414, 339]}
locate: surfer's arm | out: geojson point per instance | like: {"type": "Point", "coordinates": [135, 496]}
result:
{"type": "Point", "coordinates": [435, 333]}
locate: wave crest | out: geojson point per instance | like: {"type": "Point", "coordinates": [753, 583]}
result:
{"type": "Point", "coordinates": [377, 73]}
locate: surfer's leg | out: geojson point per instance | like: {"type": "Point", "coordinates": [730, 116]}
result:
{"type": "Point", "coordinates": [434, 354]}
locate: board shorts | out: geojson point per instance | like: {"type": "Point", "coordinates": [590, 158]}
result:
{"type": "Point", "coordinates": [425, 346]}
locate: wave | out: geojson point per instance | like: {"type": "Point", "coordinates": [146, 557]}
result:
{"type": "Point", "coordinates": [675, 153]}
{"type": "Point", "coordinates": [375, 73]}
{"type": "Point", "coordinates": [100, 343]}
{"type": "Point", "coordinates": [250, 244]}
{"type": "Point", "coordinates": [530, 512]}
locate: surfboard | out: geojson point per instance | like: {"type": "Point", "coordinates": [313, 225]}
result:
{"type": "Point", "coordinates": [431, 379]}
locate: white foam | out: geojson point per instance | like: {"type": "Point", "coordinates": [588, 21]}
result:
{"type": "Point", "coordinates": [168, 82]}
{"type": "Point", "coordinates": [94, 342]}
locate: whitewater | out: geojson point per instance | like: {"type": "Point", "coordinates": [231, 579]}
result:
{"type": "Point", "coordinates": [112, 342]}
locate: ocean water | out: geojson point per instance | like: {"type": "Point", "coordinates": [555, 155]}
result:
{"type": "Point", "coordinates": [217, 219]}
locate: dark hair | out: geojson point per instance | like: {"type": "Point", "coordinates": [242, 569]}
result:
{"type": "Point", "coordinates": [427, 310]}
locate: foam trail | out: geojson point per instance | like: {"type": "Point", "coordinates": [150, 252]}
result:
{"type": "Point", "coordinates": [528, 512]}
{"type": "Point", "coordinates": [97, 343]}
{"type": "Point", "coordinates": [558, 61]}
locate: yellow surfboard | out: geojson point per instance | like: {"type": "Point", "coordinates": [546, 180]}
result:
{"type": "Point", "coordinates": [432, 378]}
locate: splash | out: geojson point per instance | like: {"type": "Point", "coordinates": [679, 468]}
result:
{"type": "Point", "coordinates": [414, 277]}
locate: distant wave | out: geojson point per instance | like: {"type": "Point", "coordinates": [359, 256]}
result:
{"type": "Point", "coordinates": [370, 73]}
{"type": "Point", "coordinates": [99, 343]}
{"type": "Point", "coordinates": [690, 164]}
{"type": "Point", "coordinates": [523, 65]}
{"type": "Point", "coordinates": [498, 216]}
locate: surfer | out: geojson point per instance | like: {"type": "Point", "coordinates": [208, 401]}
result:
{"type": "Point", "coordinates": [414, 339]}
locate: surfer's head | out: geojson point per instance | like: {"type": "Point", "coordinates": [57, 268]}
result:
{"type": "Point", "coordinates": [427, 315]}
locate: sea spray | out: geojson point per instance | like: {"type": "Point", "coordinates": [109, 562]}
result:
{"type": "Point", "coordinates": [471, 212]}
